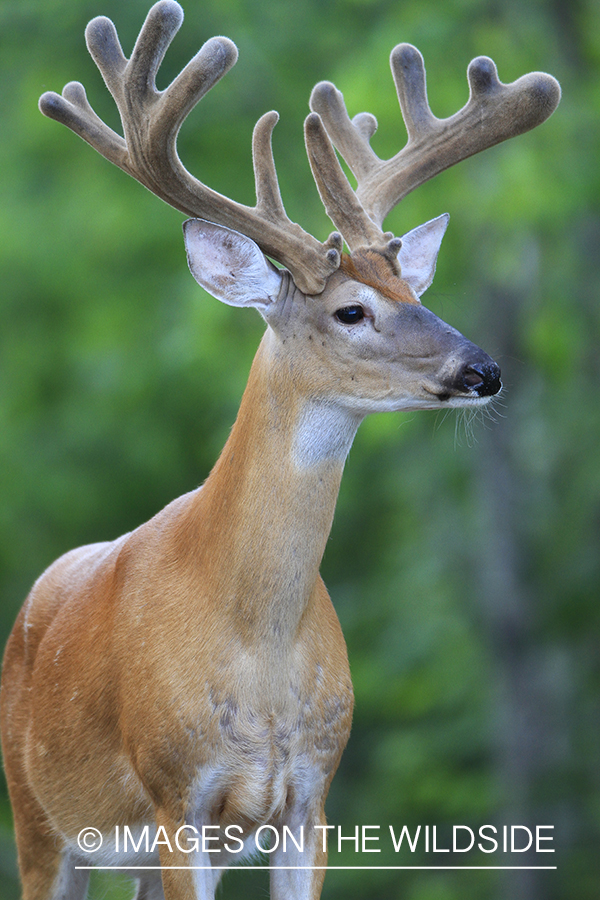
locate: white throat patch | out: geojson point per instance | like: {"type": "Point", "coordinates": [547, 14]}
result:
{"type": "Point", "coordinates": [324, 433]}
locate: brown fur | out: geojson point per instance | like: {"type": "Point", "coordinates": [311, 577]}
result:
{"type": "Point", "coordinates": [374, 268]}
{"type": "Point", "coordinates": [203, 639]}
{"type": "Point", "coordinates": [194, 671]}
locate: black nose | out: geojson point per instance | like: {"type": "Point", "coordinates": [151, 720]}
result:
{"type": "Point", "coordinates": [481, 378]}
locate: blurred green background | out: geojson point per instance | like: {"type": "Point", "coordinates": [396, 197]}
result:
{"type": "Point", "coordinates": [464, 558]}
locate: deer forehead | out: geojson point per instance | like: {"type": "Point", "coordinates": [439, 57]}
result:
{"type": "Point", "coordinates": [378, 271]}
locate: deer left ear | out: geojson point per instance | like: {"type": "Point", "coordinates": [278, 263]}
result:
{"type": "Point", "coordinates": [419, 252]}
{"type": "Point", "coordinates": [229, 265]}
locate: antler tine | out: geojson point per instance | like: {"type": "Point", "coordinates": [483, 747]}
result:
{"type": "Point", "coordinates": [151, 121]}
{"type": "Point", "coordinates": [339, 199]}
{"type": "Point", "coordinates": [494, 113]}
{"type": "Point", "coordinates": [350, 138]}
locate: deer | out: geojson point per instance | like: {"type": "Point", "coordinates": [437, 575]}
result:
{"type": "Point", "coordinates": [192, 674]}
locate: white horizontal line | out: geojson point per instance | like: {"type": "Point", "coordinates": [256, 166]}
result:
{"type": "Point", "coordinates": [250, 868]}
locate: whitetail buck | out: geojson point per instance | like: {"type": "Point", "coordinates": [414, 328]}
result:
{"type": "Point", "coordinates": [193, 673]}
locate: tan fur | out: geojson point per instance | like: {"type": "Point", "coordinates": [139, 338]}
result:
{"type": "Point", "coordinates": [374, 268]}
{"type": "Point", "coordinates": [204, 639]}
{"type": "Point", "coordinates": [193, 672]}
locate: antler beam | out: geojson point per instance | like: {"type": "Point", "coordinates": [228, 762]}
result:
{"type": "Point", "coordinates": [494, 113]}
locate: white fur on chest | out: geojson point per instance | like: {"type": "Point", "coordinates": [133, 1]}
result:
{"type": "Point", "coordinates": [265, 763]}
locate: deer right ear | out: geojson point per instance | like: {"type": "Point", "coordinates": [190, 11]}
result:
{"type": "Point", "coordinates": [230, 266]}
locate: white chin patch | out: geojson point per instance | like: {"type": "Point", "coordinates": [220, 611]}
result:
{"type": "Point", "coordinates": [461, 402]}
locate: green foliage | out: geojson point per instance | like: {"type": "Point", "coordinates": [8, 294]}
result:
{"type": "Point", "coordinates": [464, 558]}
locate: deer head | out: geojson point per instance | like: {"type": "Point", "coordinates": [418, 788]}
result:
{"type": "Point", "coordinates": [370, 338]}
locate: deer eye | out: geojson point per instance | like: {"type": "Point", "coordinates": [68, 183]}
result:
{"type": "Point", "coordinates": [349, 315]}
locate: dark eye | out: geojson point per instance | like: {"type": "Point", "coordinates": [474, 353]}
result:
{"type": "Point", "coordinates": [349, 315]}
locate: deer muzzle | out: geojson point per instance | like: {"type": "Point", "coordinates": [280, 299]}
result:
{"type": "Point", "coordinates": [475, 376]}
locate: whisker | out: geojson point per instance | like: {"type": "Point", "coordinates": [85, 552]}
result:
{"type": "Point", "coordinates": [464, 422]}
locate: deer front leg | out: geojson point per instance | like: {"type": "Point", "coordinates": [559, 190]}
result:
{"type": "Point", "coordinates": [300, 859]}
{"type": "Point", "coordinates": [185, 875]}
{"type": "Point", "coordinates": [150, 887]}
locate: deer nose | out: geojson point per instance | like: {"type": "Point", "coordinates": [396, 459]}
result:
{"type": "Point", "coordinates": [482, 378]}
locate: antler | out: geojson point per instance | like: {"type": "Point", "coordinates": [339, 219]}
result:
{"type": "Point", "coordinates": [151, 121]}
{"type": "Point", "coordinates": [494, 112]}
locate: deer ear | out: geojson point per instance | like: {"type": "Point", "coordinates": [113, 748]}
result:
{"type": "Point", "coordinates": [229, 265]}
{"type": "Point", "coordinates": [419, 252]}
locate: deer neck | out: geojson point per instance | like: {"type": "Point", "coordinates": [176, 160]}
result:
{"type": "Point", "coordinates": [270, 499]}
